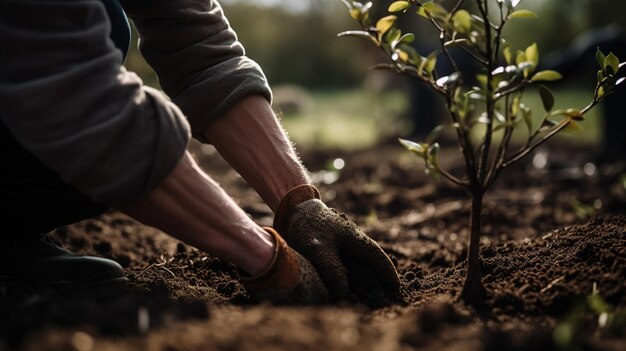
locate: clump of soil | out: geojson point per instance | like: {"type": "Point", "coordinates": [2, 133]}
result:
{"type": "Point", "coordinates": [552, 239]}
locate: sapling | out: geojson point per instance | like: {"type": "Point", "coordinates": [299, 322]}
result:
{"type": "Point", "coordinates": [483, 117]}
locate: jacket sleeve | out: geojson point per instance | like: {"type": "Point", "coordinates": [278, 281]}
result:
{"type": "Point", "coordinates": [196, 55]}
{"type": "Point", "coordinates": [67, 99]}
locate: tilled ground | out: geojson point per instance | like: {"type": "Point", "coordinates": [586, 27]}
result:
{"type": "Point", "coordinates": [554, 261]}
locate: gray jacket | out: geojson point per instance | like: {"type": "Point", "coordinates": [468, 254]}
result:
{"type": "Point", "coordinates": [67, 99]}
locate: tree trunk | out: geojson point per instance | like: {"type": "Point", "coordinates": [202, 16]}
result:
{"type": "Point", "coordinates": [473, 291]}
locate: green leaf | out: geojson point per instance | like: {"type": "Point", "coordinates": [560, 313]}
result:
{"type": "Point", "coordinates": [525, 66]}
{"type": "Point", "coordinates": [430, 8]}
{"type": "Point", "coordinates": [452, 43]}
{"type": "Point", "coordinates": [482, 80]}
{"type": "Point", "coordinates": [462, 21]}
{"type": "Point", "coordinates": [611, 64]}
{"type": "Point", "coordinates": [407, 38]}
{"type": "Point", "coordinates": [355, 33]}
{"type": "Point", "coordinates": [572, 127]}
{"type": "Point", "coordinates": [429, 64]}
{"type": "Point", "coordinates": [574, 114]}
{"type": "Point", "coordinates": [414, 57]}
{"type": "Point", "coordinates": [528, 116]}
{"type": "Point", "coordinates": [355, 14]}
{"type": "Point", "coordinates": [600, 57]}
{"type": "Point", "coordinates": [532, 54]}
{"type": "Point", "coordinates": [446, 81]}
{"type": "Point", "coordinates": [597, 304]}
{"type": "Point", "coordinates": [398, 6]}
{"type": "Point", "coordinates": [547, 98]}
{"type": "Point", "coordinates": [499, 116]}
{"type": "Point", "coordinates": [520, 57]}
{"type": "Point", "coordinates": [600, 75]}
{"type": "Point", "coordinates": [522, 14]}
{"type": "Point", "coordinates": [502, 70]}
{"type": "Point", "coordinates": [385, 23]}
{"type": "Point", "coordinates": [393, 36]}
{"type": "Point", "coordinates": [432, 161]}
{"type": "Point", "coordinates": [400, 55]}
{"type": "Point", "coordinates": [433, 151]}
{"type": "Point", "coordinates": [417, 148]}
{"type": "Point", "coordinates": [508, 56]}
{"type": "Point", "coordinates": [515, 105]}
{"type": "Point", "coordinates": [434, 134]}
{"type": "Point", "coordinates": [547, 75]}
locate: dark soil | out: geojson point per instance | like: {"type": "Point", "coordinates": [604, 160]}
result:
{"type": "Point", "coordinates": [554, 262]}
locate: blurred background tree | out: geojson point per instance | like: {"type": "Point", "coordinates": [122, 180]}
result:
{"type": "Point", "coordinates": [295, 41]}
{"type": "Point", "coordinates": [296, 44]}
{"type": "Point", "coordinates": [299, 47]}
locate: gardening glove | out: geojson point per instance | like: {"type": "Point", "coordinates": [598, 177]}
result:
{"type": "Point", "coordinates": [289, 278]}
{"type": "Point", "coordinates": [352, 265]}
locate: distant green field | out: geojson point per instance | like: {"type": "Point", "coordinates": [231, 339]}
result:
{"type": "Point", "coordinates": [357, 118]}
{"type": "Point", "coordinates": [346, 119]}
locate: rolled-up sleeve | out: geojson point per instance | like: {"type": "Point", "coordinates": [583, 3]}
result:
{"type": "Point", "coordinates": [199, 61]}
{"type": "Point", "coordinates": [67, 99]}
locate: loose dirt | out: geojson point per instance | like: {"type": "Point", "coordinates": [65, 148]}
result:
{"type": "Point", "coordinates": [553, 250]}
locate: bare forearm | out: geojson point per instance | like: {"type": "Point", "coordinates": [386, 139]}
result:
{"type": "Point", "coordinates": [250, 139]}
{"type": "Point", "coordinates": [193, 208]}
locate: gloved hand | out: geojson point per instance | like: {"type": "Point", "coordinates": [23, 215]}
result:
{"type": "Point", "coordinates": [289, 279]}
{"type": "Point", "coordinates": [352, 265]}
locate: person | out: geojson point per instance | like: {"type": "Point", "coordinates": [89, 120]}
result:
{"type": "Point", "coordinates": [80, 135]}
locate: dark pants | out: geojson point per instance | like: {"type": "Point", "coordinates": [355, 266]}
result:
{"type": "Point", "coordinates": [33, 198]}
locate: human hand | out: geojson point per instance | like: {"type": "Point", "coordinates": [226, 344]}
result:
{"type": "Point", "coordinates": [289, 279]}
{"type": "Point", "coordinates": [351, 264]}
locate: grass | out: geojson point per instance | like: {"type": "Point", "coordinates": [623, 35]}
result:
{"type": "Point", "coordinates": [346, 119]}
{"type": "Point", "coordinates": [355, 118]}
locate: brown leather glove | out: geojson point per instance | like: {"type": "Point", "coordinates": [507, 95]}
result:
{"type": "Point", "coordinates": [352, 265]}
{"type": "Point", "coordinates": [289, 279]}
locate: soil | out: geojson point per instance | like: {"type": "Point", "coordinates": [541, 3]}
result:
{"type": "Point", "coordinates": [553, 255]}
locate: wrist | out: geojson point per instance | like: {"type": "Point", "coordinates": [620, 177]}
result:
{"type": "Point", "coordinates": [288, 203]}
{"type": "Point", "coordinates": [281, 270]}
{"type": "Point", "coordinates": [192, 207]}
{"type": "Point", "coordinates": [262, 255]}
{"type": "Point", "coordinates": [250, 138]}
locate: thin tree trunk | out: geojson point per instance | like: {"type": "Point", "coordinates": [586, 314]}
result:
{"type": "Point", "coordinates": [473, 290]}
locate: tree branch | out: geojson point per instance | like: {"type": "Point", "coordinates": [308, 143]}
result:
{"type": "Point", "coordinates": [496, 166]}
{"type": "Point", "coordinates": [490, 105]}
{"type": "Point", "coordinates": [559, 127]}
{"type": "Point", "coordinates": [453, 179]}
